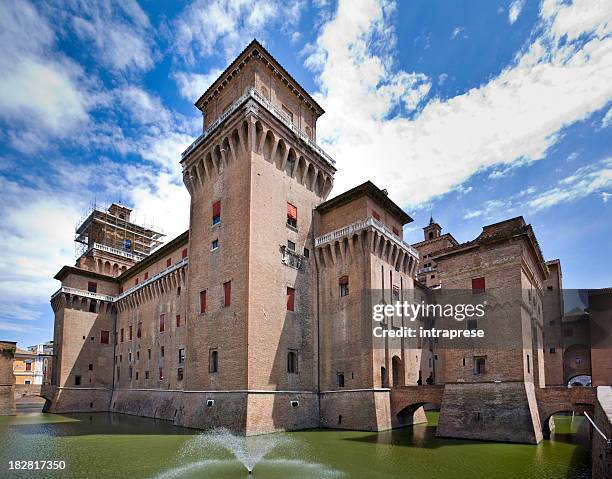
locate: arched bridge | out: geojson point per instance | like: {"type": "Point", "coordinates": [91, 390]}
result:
{"type": "Point", "coordinates": [555, 399]}
{"type": "Point", "coordinates": [34, 390]}
{"type": "Point", "coordinates": [407, 399]}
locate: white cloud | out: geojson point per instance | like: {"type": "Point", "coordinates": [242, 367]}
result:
{"type": "Point", "coordinates": [512, 119]}
{"type": "Point", "coordinates": [40, 93]}
{"type": "Point", "coordinates": [588, 180]}
{"type": "Point", "coordinates": [456, 32]}
{"type": "Point", "coordinates": [193, 85]}
{"type": "Point", "coordinates": [209, 27]}
{"type": "Point", "coordinates": [515, 10]}
{"type": "Point", "coordinates": [120, 32]}
{"type": "Point", "coordinates": [607, 119]}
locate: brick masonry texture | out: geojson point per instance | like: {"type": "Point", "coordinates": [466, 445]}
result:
{"type": "Point", "coordinates": [313, 363]}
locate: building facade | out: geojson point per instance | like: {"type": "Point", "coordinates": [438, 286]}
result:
{"type": "Point", "coordinates": [255, 318]}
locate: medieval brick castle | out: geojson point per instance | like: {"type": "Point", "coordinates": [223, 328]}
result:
{"type": "Point", "coordinates": [251, 319]}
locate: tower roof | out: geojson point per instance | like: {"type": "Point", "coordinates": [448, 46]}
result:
{"type": "Point", "coordinates": [257, 50]}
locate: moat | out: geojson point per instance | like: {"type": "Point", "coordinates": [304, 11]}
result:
{"type": "Point", "coordinates": [115, 445]}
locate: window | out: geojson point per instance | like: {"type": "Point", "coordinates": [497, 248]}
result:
{"type": "Point", "coordinates": [430, 236]}
{"type": "Point", "coordinates": [344, 285]}
{"type": "Point", "coordinates": [92, 306]}
{"type": "Point", "coordinates": [184, 253]}
{"type": "Point", "coordinates": [121, 334]}
{"type": "Point", "coordinates": [118, 372]}
{"type": "Point", "coordinates": [479, 364]}
{"type": "Point", "coordinates": [146, 276]}
{"type": "Point", "coordinates": [375, 215]}
{"type": "Point", "coordinates": [162, 351]}
{"type": "Point", "coordinates": [168, 262]}
{"type": "Point", "coordinates": [77, 380]}
{"type": "Point", "coordinates": [130, 372]}
{"type": "Point", "coordinates": [139, 330]}
{"type": "Point", "coordinates": [288, 112]}
{"type": "Point", "coordinates": [127, 244]}
{"type": "Point", "coordinates": [553, 350]}
{"type": "Point", "coordinates": [179, 374]}
{"type": "Point", "coordinates": [528, 364]}
{"type": "Point", "coordinates": [213, 361]}
{"type": "Point", "coordinates": [146, 374]}
{"type": "Point", "coordinates": [227, 293]}
{"type": "Point", "coordinates": [135, 281]}
{"type": "Point", "coordinates": [92, 286]}
{"type": "Point", "coordinates": [161, 374]}
{"type": "Point", "coordinates": [28, 366]}
{"type": "Point", "coordinates": [290, 299]}
{"type": "Point", "coordinates": [178, 320]}
{"type": "Point", "coordinates": [181, 356]}
{"type": "Point", "coordinates": [104, 337]}
{"type": "Point", "coordinates": [292, 362]}
{"type": "Point", "coordinates": [137, 355]}
{"type": "Point", "coordinates": [130, 333]}
{"type": "Point", "coordinates": [216, 213]}
{"type": "Point", "coordinates": [340, 380]}
{"type": "Point", "coordinates": [178, 291]}
{"type": "Point", "coordinates": [90, 366]}
{"type": "Point", "coordinates": [149, 353]}
{"type": "Point", "coordinates": [162, 321]}
{"type": "Point", "coordinates": [202, 301]}
{"type": "Point", "coordinates": [395, 231]}
{"type": "Point", "coordinates": [291, 215]}
{"type": "Point", "coordinates": [396, 292]}
{"type": "Point", "coordinates": [472, 324]}
{"type": "Point", "coordinates": [306, 253]}
{"type": "Point", "coordinates": [290, 245]}
{"type": "Point", "coordinates": [478, 285]}
{"type": "Point", "coordinates": [28, 382]}
{"type": "Point", "coordinates": [136, 375]}
{"type": "Point", "coordinates": [214, 245]}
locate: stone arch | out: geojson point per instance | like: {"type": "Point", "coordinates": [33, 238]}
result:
{"type": "Point", "coordinates": [115, 269]}
{"type": "Point", "coordinates": [259, 134]}
{"type": "Point", "coordinates": [123, 269]}
{"type": "Point", "coordinates": [218, 158]}
{"type": "Point", "coordinates": [290, 162]}
{"type": "Point", "coordinates": [311, 173]}
{"type": "Point", "coordinates": [268, 146]}
{"type": "Point", "coordinates": [99, 265]}
{"type": "Point", "coordinates": [235, 141]}
{"type": "Point", "coordinates": [107, 267]}
{"type": "Point", "coordinates": [244, 133]}
{"type": "Point", "coordinates": [209, 165]}
{"type": "Point", "coordinates": [300, 169]}
{"type": "Point", "coordinates": [226, 150]}
{"type": "Point", "coordinates": [319, 183]}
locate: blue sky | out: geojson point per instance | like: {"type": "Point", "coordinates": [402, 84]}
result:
{"type": "Point", "coordinates": [474, 110]}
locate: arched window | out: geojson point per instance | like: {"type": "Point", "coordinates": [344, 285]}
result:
{"type": "Point", "coordinates": [292, 362]}
{"type": "Point", "coordinates": [340, 380]}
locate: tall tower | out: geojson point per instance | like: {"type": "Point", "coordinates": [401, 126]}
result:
{"type": "Point", "coordinates": [84, 307]}
{"type": "Point", "coordinates": [255, 175]}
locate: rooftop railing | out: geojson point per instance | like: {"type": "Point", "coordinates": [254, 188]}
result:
{"type": "Point", "coordinates": [280, 115]}
{"type": "Point", "coordinates": [363, 224]}
{"type": "Point", "coordinates": [83, 293]}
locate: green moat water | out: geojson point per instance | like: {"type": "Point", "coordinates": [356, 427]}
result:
{"type": "Point", "coordinates": [117, 446]}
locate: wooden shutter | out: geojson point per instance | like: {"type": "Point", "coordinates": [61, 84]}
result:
{"type": "Point", "coordinates": [290, 299]}
{"type": "Point", "coordinates": [216, 208]}
{"type": "Point", "coordinates": [478, 284]}
{"type": "Point", "coordinates": [291, 211]}
{"type": "Point", "coordinates": [227, 293]}
{"type": "Point", "coordinates": [203, 301]}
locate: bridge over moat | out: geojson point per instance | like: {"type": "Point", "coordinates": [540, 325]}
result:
{"type": "Point", "coordinates": [406, 401]}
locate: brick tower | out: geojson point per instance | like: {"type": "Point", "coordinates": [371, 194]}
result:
{"type": "Point", "coordinates": [255, 176]}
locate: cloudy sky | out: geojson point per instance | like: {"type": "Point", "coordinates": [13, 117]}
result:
{"type": "Point", "coordinates": [473, 110]}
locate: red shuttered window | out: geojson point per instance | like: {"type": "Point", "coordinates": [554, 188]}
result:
{"type": "Point", "coordinates": [375, 215]}
{"type": "Point", "coordinates": [162, 321]}
{"type": "Point", "coordinates": [478, 285]}
{"type": "Point", "coordinates": [178, 320]}
{"type": "Point", "coordinates": [146, 276]}
{"type": "Point", "coordinates": [291, 215]}
{"type": "Point", "coordinates": [184, 254]}
{"type": "Point", "coordinates": [130, 334]}
{"type": "Point", "coordinates": [216, 212]}
{"type": "Point", "coordinates": [168, 262]}
{"type": "Point", "coordinates": [104, 337]}
{"type": "Point", "coordinates": [290, 299]}
{"type": "Point", "coordinates": [227, 293]}
{"type": "Point", "coordinates": [139, 330]}
{"type": "Point", "coordinates": [203, 301]}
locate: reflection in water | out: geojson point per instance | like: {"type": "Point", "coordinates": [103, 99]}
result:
{"type": "Point", "coordinates": [114, 445]}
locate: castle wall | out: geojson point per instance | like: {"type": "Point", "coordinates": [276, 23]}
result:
{"type": "Point", "coordinates": [7, 379]}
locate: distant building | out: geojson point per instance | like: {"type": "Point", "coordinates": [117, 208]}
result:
{"type": "Point", "coordinates": [34, 364]}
